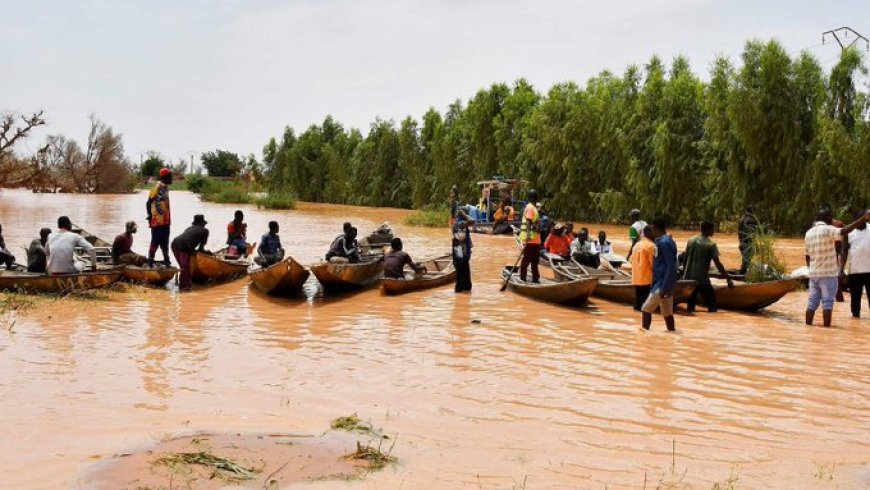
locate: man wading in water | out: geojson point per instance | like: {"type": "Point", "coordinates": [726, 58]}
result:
{"type": "Point", "coordinates": [822, 260]}
{"type": "Point", "coordinates": [700, 251]}
{"type": "Point", "coordinates": [191, 241]}
{"type": "Point", "coordinates": [159, 220]}
{"type": "Point", "coordinates": [664, 277]}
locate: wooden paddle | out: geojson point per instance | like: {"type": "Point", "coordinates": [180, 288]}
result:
{"type": "Point", "coordinates": [508, 278]}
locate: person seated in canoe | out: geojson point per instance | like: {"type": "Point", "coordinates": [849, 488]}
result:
{"type": "Point", "coordinates": [122, 248]}
{"type": "Point", "coordinates": [61, 249]}
{"type": "Point", "coordinates": [503, 217]}
{"type": "Point", "coordinates": [37, 257]}
{"type": "Point", "coordinates": [700, 251]}
{"type": "Point", "coordinates": [270, 250]}
{"type": "Point", "coordinates": [6, 257]}
{"type": "Point", "coordinates": [345, 248]}
{"type": "Point", "coordinates": [558, 244]}
{"type": "Point", "coordinates": [396, 259]}
{"type": "Point", "coordinates": [237, 236]}
{"type": "Point", "coordinates": [191, 241]}
{"type": "Point", "coordinates": [583, 250]}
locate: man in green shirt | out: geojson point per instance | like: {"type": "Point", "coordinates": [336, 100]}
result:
{"type": "Point", "coordinates": [699, 252]}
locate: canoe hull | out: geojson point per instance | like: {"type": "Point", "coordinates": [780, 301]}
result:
{"type": "Point", "coordinates": [155, 276]}
{"type": "Point", "coordinates": [205, 268]}
{"type": "Point", "coordinates": [567, 292]}
{"type": "Point", "coordinates": [42, 283]}
{"type": "Point", "coordinates": [282, 279]}
{"type": "Point", "coordinates": [616, 286]}
{"type": "Point", "coordinates": [337, 277]}
{"type": "Point", "coordinates": [439, 272]}
{"type": "Point", "coordinates": [752, 296]}
{"type": "Point", "coordinates": [622, 291]}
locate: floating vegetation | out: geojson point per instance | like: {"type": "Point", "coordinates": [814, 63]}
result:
{"type": "Point", "coordinates": [180, 463]}
{"type": "Point", "coordinates": [375, 458]}
{"type": "Point", "coordinates": [431, 217]}
{"type": "Point", "coordinates": [351, 423]}
{"type": "Point", "coordinates": [766, 265]}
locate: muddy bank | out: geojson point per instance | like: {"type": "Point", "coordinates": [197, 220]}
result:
{"type": "Point", "coordinates": [214, 461]}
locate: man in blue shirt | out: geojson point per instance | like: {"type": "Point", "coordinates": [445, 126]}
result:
{"type": "Point", "coordinates": [270, 250]}
{"type": "Point", "coordinates": [664, 277]}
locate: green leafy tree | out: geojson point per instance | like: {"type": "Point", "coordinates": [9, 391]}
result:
{"type": "Point", "coordinates": [221, 163]}
{"type": "Point", "coordinates": [152, 165]}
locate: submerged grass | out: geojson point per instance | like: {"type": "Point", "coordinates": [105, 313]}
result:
{"type": "Point", "coordinates": [277, 200]}
{"type": "Point", "coordinates": [375, 458]}
{"type": "Point", "coordinates": [180, 464]}
{"type": "Point", "coordinates": [430, 217]}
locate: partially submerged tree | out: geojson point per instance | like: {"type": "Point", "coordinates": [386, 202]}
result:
{"type": "Point", "coordinates": [13, 129]}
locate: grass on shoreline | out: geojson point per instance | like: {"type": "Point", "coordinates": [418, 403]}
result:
{"type": "Point", "coordinates": [429, 217]}
{"type": "Point", "coordinates": [277, 200]}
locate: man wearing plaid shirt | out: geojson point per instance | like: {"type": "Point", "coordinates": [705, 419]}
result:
{"type": "Point", "coordinates": [822, 260]}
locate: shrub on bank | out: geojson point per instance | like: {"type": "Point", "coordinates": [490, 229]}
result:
{"type": "Point", "coordinates": [225, 192]}
{"type": "Point", "coordinates": [431, 217]}
{"type": "Point", "coordinates": [277, 200]}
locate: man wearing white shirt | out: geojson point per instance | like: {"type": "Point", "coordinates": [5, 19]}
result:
{"type": "Point", "coordinates": [821, 257]}
{"type": "Point", "coordinates": [61, 249]}
{"type": "Point", "coordinates": [856, 251]}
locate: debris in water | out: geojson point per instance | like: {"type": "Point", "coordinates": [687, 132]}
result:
{"type": "Point", "coordinates": [180, 462]}
{"type": "Point", "coordinates": [373, 456]}
{"type": "Point", "coordinates": [350, 423]}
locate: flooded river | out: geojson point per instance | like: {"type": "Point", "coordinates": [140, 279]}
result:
{"type": "Point", "coordinates": [487, 390]}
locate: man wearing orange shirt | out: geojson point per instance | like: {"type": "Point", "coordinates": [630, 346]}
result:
{"type": "Point", "coordinates": [559, 243]}
{"type": "Point", "coordinates": [642, 256]}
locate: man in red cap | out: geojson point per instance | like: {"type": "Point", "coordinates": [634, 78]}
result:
{"type": "Point", "coordinates": [159, 218]}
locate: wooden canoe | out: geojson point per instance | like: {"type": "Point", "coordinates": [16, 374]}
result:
{"type": "Point", "coordinates": [43, 283]}
{"type": "Point", "coordinates": [566, 292]}
{"type": "Point", "coordinates": [337, 277]}
{"type": "Point", "coordinates": [207, 268]}
{"type": "Point", "coordinates": [614, 285]}
{"type": "Point", "coordinates": [439, 271]}
{"type": "Point", "coordinates": [751, 296]}
{"type": "Point", "coordinates": [282, 279]}
{"type": "Point", "coordinates": [156, 276]}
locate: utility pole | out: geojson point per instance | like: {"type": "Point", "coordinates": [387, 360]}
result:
{"type": "Point", "coordinates": [841, 35]}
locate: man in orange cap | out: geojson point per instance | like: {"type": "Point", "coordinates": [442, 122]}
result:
{"type": "Point", "coordinates": [158, 217]}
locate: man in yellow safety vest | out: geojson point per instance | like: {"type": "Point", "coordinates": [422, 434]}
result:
{"type": "Point", "coordinates": [531, 238]}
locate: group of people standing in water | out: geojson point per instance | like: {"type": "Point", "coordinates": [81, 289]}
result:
{"type": "Point", "coordinates": [837, 255]}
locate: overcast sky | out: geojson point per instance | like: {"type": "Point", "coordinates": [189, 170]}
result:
{"type": "Point", "coordinates": [177, 76]}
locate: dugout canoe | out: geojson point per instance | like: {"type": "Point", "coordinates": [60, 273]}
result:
{"type": "Point", "coordinates": [566, 292]}
{"type": "Point", "coordinates": [614, 285]}
{"type": "Point", "coordinates": [338, 277]}
{"type": "Point", "coordinates": [282, 279]}
{"type": "Point", "coordinates": [751, 296]}
{"type": "Point", "coordinates": [44, 283]}
{"type": "Point", "coordinates": [207, 268]}
{"type": "Point", "coordinates": [155, 276]}
{"type": "Point", "coordinates": [439, 271]}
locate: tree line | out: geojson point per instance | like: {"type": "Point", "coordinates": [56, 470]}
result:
{"type": "Point", "coordinates": [775, 132]}
{"type": "Point", "coordinates": [62, 164]}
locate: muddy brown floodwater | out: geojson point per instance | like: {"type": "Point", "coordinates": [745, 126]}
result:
{"type": "Point", "coordinates": [487, 390]}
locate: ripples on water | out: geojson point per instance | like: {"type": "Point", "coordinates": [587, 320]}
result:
{"type": "Point", "coordinates": [483, 390]}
